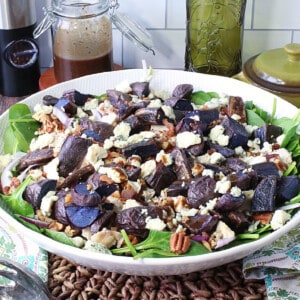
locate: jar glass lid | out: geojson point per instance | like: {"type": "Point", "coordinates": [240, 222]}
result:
{"type": "Point", "coordinates": [277, 69]}
{"type": "Point", "coordinates": [133, 31]}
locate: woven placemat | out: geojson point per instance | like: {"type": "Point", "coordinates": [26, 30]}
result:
{"type": "Point", "coordinates": [71, 281]}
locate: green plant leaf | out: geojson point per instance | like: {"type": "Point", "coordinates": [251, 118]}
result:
{"type": "Point", "coordinates": [201, 97]}
{"type": "Point", "coordinates": [262, 114]}
{"type": "Point", "coordinates": [254, 119]}
{"type": "Point", "coordinates": [21, 129]}
{"type": "Point", "coordinates": [29, 225]}
{"type": "Point", "coordinates": [15, 200]}
{"type": "Point", "coordinates": [58, 236]}
{"type": "Point", "coordinates": [157, 244]}
{"type": "Point", "coordinates": [10, 143]}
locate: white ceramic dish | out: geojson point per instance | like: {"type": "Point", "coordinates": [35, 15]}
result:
{"type": "Point", "coordinates": [162, 80]}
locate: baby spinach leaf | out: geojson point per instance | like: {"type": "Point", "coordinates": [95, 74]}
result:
{"type": "Point", "coordinates": [262, 114]}
{"type": "Point", "coordinates": [21, 129]}
{"type": "Point", "coordinates": [58, 236]}
{"type": "Point", "coordinates": [10, 144]}
{"type": "Point", "coordinates": [157, 244]}
{"type": "Point", "coordinates": [15, 200]}
{"type": "Point", "coordinates": [201, 97]}
{"type": "Point", "coordinates": [155, 240]}
{"type": "Point", "coordinates": [289, 128]}
{"type": "Point", "coordinates": [29, 225]}
{"type": "Point", "coordinates": [254, 119]}
{"type": "Point", "coordinates": [101, 97]}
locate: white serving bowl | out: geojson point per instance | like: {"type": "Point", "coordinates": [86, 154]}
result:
{"type": "Point", "coordinates": [162, 80]}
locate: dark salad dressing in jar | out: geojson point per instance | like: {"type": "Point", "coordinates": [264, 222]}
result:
{"type": "Point", "coordinates": [82, 36]}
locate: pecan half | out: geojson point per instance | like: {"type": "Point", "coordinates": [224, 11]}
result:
{"type": "Point", "coordinates": [179, 243]}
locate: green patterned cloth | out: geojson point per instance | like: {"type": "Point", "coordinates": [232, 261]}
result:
{"type": "Point", "coordinates": [279, 265]}
{"type": "Point", "coordinates": [15, 246]}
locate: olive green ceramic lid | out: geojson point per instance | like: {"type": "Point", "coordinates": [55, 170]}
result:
{"type": "Point", "coordinates": [277, 69]}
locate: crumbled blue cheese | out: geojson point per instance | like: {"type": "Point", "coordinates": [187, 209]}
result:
{"type": "Point", "coordinates": [148, 167]}
{"type": "Point", "coordinates": [250, 128]}
{"type": "Point", "coordinates": [169, 112]}
{"type": "Point", "coordinates": [217, 136]}
{"type": "Point", "coordinates": [164, 157]}
{"type": "Point", "coordinates": [135, 185]}
{"type": "Point", "coordinates": [223, 186]}
{"type": "Point", "coordinates": [203, 159]}
{"type": "Point", "coordinates": [216, 158]}
{"type": "Point", "coordinates": [41, 141]}
{"type": "Point", "coordinates": [208, 172]}
{"type": "Point", "coordinates": [78, 241]}
{"type": "Point", "coordinates": [122, 130]}
{"type": "Point", "coordinates": [178, 218]}
{"type": "Point", "coordinates": [180, 228]}
{"type": "Point", "coordinates": [94, 155]}
{"type": "Point", "coordinates": [155, 103]}
{"type": "Point", "coordinates": [223, 231]}
{"type": "Point", "coordinates": [279, 218]}
{"type": "Point", "coordinates": [148, 194]}
{"type": "Point", "coordinates": [253, 226]}
{"type": "Point", "coordinates": [267, 148]}
{"type": "Point", "coordinates": [96, 247]}
{"type": "Point", "coordinates": [116, 174]}
{"type": "Point", "coordinates": [40, 109]}
{"type": "Point", "coordinates": [134, 160]}
{"type": "Point", "coordinates": [105, 107]}
{"type": "Point", "coordinates": [179, 202]}
{"type": "Point", "coordinates": [90, 105]}
{"type": "Point", "coordinates": [129, 203]}
{"type": "Point", "coordinates": [124, 87]}
{"type": "Point", "coordinates": [186, 139]}
{"type": "Point", "coordinates": [80, 113]}
{"type": "Point", "coordinates": [51, 169]}
{"type": "Point", "coordinates": [36, 174]}
{"type": "Point", "coordinates": [138, 137]}
{"type": "Point", "coordinates": [114, 141]}
{"type": "Point", "coordinates": [119, 160]}
{"type": "Point", "coordinates": [240, 151]}
{"type": "Point", "coordinates": [252, 160]}
{"type": "Point", "coordinates": [209, 206]}
{"type": "Point", "coordinates": [54, 140]}
{"type": "Point", "coordinates": [47, 202]}
{"type": "Point", "coordinates": [215, 102]}
{"type": "Point", "coordinates": [236, 191]}
{"type": "Point", "coordinates": [285, 155]}
{"type": "Point", "coordinates": [188, 212]}
{"type": "Point", "coordinates": [254, 145]}
{"type": "Point", "coordinates": [155, 224]}
{"type": "Point", "coordinates": [235, 117]}
{"type": "Point", "coordinates": [108, 143]}
{"type": "Point", "coordinates": [110, 118]}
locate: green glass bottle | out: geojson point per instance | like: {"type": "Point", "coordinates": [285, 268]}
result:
{"type": "Point", "coordinates": [214, 36]}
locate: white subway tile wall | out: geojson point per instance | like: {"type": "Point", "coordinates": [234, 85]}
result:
{"type": "Point", "coordinates": [269, 24]}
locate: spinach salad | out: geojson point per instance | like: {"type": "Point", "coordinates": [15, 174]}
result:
{"type": "Point", "coordinates": [132, 173]}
